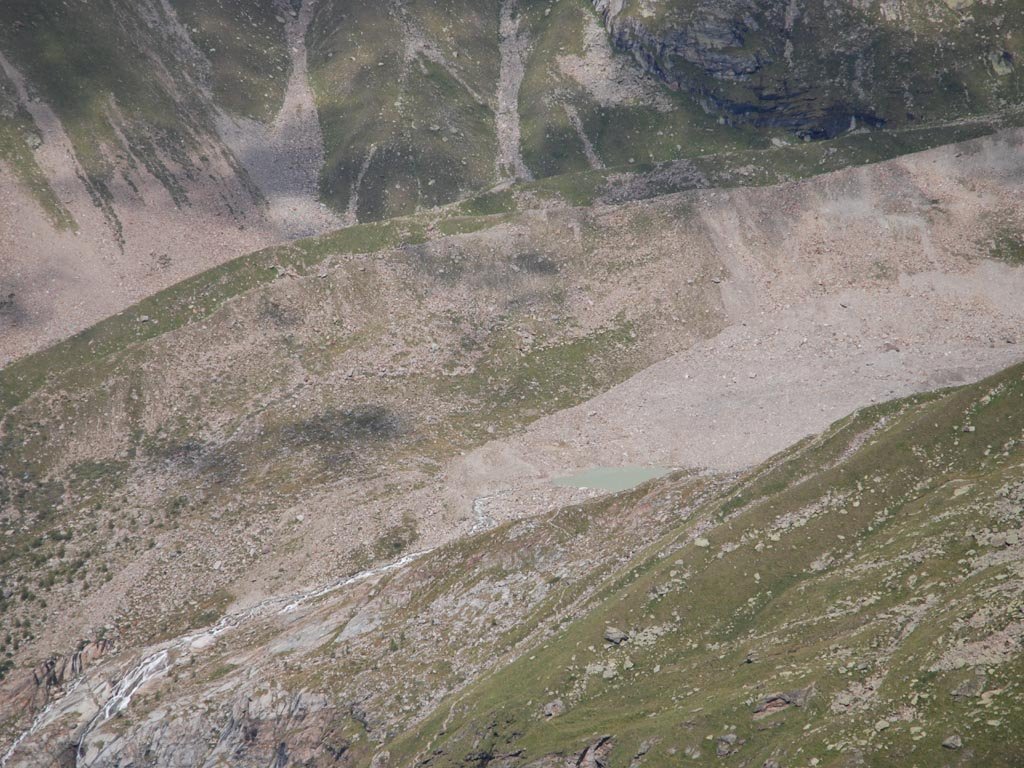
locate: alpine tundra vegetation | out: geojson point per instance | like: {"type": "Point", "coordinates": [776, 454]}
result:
{"type": "Point", "coordinates": [511, 383]}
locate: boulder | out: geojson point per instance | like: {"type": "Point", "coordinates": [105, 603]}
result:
{"type": "Point", "coordinates": [554, 708]}
{"type": "Point", "coordinates": [615, 635]}
{"type": "Point", "coordinates": [776, 702]}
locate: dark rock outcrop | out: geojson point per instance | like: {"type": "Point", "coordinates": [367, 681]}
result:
{"type": "Point", "coordinates": [782, 65]}
{"type": "Point", "coordinates": [776, 702]}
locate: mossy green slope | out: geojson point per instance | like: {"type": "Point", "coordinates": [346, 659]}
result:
{"type": "Point", "coordinates": [408, 92]}
{"type": "Point", "coordinates": [408, 99]}
{"type": "Point", "coordinates": [627, 118]}
{"type": "Point", "coordinates": [245, 44]}
{"type": "Point", "coordinates": [18, 135]}
{"type": "Point", "coordinates": [404, 96]}
{"type": "Point", "coordinates": [865, 575]}
{"type": "Point", "coordinates": [127, 83]}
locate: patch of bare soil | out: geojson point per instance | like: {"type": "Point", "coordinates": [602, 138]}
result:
{"type": "Point", "coordinates": [513, 49]}
{"type": "Point", "coordinates": [841, 291]}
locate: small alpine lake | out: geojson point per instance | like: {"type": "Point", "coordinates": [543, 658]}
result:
{"type": "Point", "coordinates": [612, 479]}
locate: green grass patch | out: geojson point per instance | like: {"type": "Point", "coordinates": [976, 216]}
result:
{"type": "Point", "coordinates": [1008, 247]}
{"type": "Point", "coordinates": [247, 49]}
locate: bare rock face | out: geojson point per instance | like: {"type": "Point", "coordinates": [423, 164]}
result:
{"type": "Point", "coordinates": [554, 708]}
{"type": "Point", "coordinates": [953, 742]}
{"type": "Point", "coordinates": [780, 64]}
{"type": "Point", "coordinates": [36, 689]}
{"type": "Point", "coordinates": [269, 728]}
{"type": "Point", "coordinates": [777, 702]}
{"type": "Point", "coordinates": [615, 636]}
{"type": "Point", "coordinates": [596, 755]}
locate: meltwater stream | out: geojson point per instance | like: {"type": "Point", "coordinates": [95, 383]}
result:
{"type": "Point", "coordinates": [37, 721]}
{"type": "Point", "coordinates": [158, 663]}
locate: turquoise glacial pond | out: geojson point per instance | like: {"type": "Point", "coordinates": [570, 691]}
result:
{"type": "Point", "coordinates": [611, 479]}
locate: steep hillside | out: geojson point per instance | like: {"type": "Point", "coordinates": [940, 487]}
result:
{"type": "Point", "coordinates": [396, 386]}
{"type": "Point", "coordinates": [823, 68]}
{"type": "Point", "coordinates": [422, 103]}
{"type": "Point", "coordinates": [142, 142]}
{"type": "Point", "coordinates": [138, 87]}
{"type": "Point", "coordinates": [330, 331]}
{"type": "Point", "coordinates": [854, 601]}
{"type": "Point", "coordinates": [117, 180]}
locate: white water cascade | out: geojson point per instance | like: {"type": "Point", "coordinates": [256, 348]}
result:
{"type": "Point", "coordinates": [161, 661]}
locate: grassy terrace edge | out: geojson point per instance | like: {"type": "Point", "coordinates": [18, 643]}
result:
{"type": "Point", "coordinates": [197, 297]}
{"type": "Point", "coordinates": [193, 299]}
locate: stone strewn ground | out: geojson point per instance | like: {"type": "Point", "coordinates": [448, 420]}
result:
{"type": "Point", "coordinates": [857, 597]}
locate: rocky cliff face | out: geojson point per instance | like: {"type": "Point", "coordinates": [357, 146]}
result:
{"type": "Point", "coordinates": [35, 690]}
{"type": "Point", "coordinates": [821, 68]}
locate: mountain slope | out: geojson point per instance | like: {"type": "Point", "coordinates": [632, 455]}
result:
{"type": "Point", "coordinates": [855, 600]}
{"type": "Point", "coordinates": [138, 187]}
{"type": "Point", "coordinates": [394, 386]}
{"type": "Point", "coordinates": [820, 68]}
{"type": "Point", "coordinates": [327, 503]}
{"type": "Point", "coordinates": [141, 143]}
